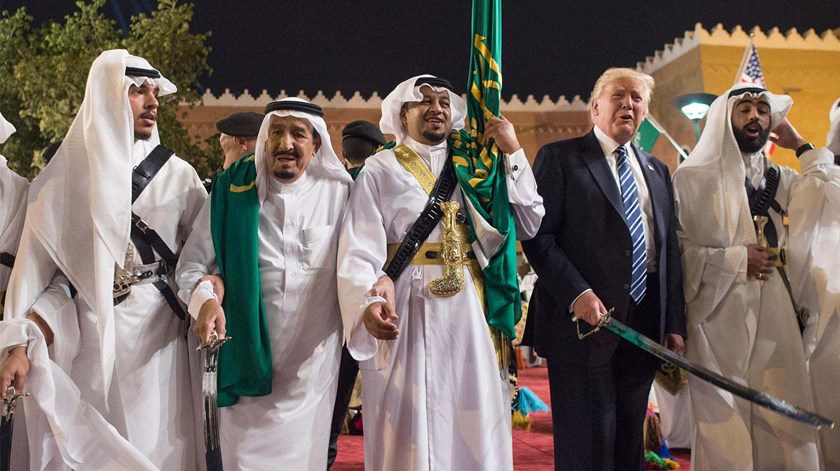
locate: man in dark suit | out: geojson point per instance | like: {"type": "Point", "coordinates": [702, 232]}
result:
{"type": "Point", "coordinates": [608, 241]}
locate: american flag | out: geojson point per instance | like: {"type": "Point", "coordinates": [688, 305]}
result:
{"type": "Point", "coordinates": [750, 72]}
{"type": "Point", "coordinates": [751, 67]}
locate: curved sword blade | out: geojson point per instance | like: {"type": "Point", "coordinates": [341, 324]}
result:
{"type": "Point", "coordinates": [762, 399]}
{"type": "Point", "coordinates": [209, 389]}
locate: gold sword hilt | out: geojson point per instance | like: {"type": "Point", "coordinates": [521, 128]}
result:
{"type": "Point", "coordinates": [760, 223]}
{"type": "Point", "coordinates": [452, 281]}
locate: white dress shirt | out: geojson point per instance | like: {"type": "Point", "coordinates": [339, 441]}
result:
{"type": "Point", "coordinates": [608, 145]}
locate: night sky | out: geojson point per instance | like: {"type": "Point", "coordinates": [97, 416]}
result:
{"type": "Point", "coordinates": [550, 48]}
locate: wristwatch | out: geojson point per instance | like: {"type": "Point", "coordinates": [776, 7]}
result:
{"type": "Point", "coordinates": [804, 148]}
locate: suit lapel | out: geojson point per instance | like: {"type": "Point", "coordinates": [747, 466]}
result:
{"type": "Point", "coordinates": [658, 194]}
{"type": "Point", "coordinates": [593, 156]}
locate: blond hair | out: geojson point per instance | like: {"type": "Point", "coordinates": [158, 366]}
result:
{"type": "Point", "coordinates": [620, 72]}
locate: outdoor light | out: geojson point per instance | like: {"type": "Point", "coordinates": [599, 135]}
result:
{"type": "Point", "coordinates": [695, 111]}
{"type": "Point", "coordinates": [694, 106]}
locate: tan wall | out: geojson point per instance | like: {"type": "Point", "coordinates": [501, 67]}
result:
{"type": "Point", "coordinates": [534, 129]}
{"type": "Point", "coordinates": [683, 75]}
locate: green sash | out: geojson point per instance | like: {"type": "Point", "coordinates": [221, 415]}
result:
{"type": "Point", "coordinates": [245, 367]}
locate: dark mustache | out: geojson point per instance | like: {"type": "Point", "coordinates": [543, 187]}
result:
{"type": "Point", "coordinates": [148, 115]}
{"type": "Point", "coordinates": [752, 122]}
{"type": "Point", "coordinates": [289, 153]}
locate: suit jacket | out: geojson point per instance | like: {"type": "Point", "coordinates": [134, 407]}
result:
{"type": "Point", "coordinates": [584, 243]}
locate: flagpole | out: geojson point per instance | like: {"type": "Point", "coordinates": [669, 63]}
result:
{"type": "Point", "coordinates": [662, 130]}
{"type": "Point", "coordinates": [744, 60]}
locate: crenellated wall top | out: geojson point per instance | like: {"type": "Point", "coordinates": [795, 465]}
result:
{"type": "Point", "coordinates": [719, 36]}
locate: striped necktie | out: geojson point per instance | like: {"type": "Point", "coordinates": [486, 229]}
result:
{"type": "Point", "coordinates": [633, 213]}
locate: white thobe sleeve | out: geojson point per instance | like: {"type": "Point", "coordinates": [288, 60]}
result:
{"type": "Point", "coordinates": [57, 308]}
{"type": "Point", "coordinates": [195, 200]}
{"type": "Point", "coordinates": [57, 412]}
{"type": "Point", "coordinates": [726, 265]}
{"type": "Point", "coordinates": [814, 234]}
{"type": "Point", "coordinates": [362, 250]}
{"type": "Point", "coordinates": [51, 301]}
{"type": "Point", "coordinates": [526, 203]}
{"type": "Point", "coordinates": [198, 258]}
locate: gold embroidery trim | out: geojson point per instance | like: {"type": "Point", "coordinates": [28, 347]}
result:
{"type": "Point", "coordinates": [241, 189]}
{"type": "Point", "coordinates": [415, 166]}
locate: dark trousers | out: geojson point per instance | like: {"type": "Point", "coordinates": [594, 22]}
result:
{"type": "Point", "coordinates": [347, 372]}
{"type": "Point", "coordinates": [598, 407]}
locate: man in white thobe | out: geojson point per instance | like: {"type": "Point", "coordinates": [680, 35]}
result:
{"type": "Point", "coordinates": [270, 229]}
{"type": "Point", "coordinates": [433, 393]}
{"type": "Point", "coordinates": [114, 392]}
{"type": "Point", "coordinates": [12, 210]}
{"type": "Point", "coordinates": [815, 278]}
{"type": "Point", "coordinates": [741, 318]}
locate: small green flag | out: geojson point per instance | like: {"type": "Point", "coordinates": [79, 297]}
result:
{"type": "Point", "coordinates": [646, 136]}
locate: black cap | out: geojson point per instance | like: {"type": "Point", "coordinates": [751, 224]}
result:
{"type": "Point", "coordinates": [245, 124]}
{"type": "Point", "coordinates": [294, 105]}
{"type": "Point", "coordinates": [434, 82]}
{"type": "Point", "coordinates": [363, 130]}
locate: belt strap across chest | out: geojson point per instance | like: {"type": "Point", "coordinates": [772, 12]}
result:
{"type": "Point", "coordinates": [431, 215]}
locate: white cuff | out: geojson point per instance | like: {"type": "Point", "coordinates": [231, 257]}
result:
{"type": "Point", "coordinates": [572, 306]}
{"type": "Point", "coordinates": [361, 345]}
{"type": "Point", "coordinates": [814, 157]}
{"type": "Point", "coordinates": [742, 267]}
{"type": "Point", "coordinates": [201, 294]}
{"type": "Point", "coordinates": [370, 300]}
{"type": "Point", "coordinates": [516, 163]}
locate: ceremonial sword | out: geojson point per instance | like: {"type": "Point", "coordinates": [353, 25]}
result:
{"type": "Point", "coordinates": [7, 424]}
{"type": "Point", "coordinates": [762, 399]}
{"type": "Point", "coordinates": [209, 388]}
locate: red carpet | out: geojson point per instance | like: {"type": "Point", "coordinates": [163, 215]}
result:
{"type": "Point", "coordinates": [532, 451]}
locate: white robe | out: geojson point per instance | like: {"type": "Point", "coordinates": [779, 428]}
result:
{"type": "Point", "coordinates": [434, 398]}
{"type": "Point", "coordinates": [743, 328]}
{"type": "Point", "coordinates": [299, 225]}
{"type": "Point", "coordinates": [12, 210]}
{"type": "Point", "coordinates": [815, 279]}
{"type": "Point", "coordinates": [149, 401]}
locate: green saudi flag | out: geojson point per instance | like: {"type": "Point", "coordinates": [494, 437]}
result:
{"type": "Point", "coordinates": [646, 136]}
{"type": "Point", "coordinates": [480, 168]}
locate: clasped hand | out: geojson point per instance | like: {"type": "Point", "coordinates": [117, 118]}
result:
{"type": "Point", "coordinates": [379, 317]}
